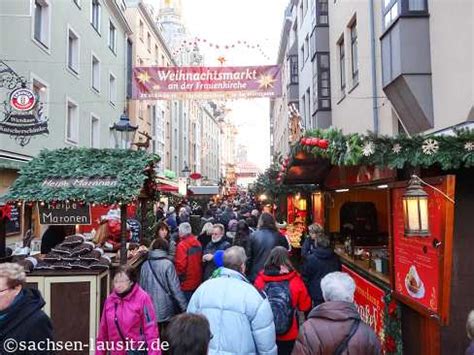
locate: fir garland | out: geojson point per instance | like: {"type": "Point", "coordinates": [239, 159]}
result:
{"type": "Point", "coordinates": [392, 339]}
{"type": "Point", "coordinates": [133, 171]}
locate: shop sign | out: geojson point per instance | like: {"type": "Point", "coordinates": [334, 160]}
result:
{"type": "Point", "coordinates": [23, 116]}
{"type": "Point", "coordinates": [369, 300]}
{"type": "Point", "coordinates": [416, 262]}
{"type": "Point", "coordinates": [65, 213]}
{"type": "Point", "coordinates": [84, 183]}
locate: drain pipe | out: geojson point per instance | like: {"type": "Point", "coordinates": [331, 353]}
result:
{"type": "Point", "coordinates": [375, 111]}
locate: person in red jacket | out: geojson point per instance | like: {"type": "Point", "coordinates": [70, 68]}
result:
{"type": "Point", "coordinates": [279, 271]}
{"type": "Point", "coordinates": [188, 260]}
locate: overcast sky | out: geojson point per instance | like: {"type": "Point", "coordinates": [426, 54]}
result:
{"type": "Point", "coordinates": [257, 22]}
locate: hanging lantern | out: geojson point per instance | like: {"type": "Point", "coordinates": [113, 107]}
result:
{"type": "Point", "coordinates": [415, 209]}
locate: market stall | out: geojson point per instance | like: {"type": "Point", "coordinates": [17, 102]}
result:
{"type": "Point", "coordinates": [397, 211]}
{"type": "Point", "coordinates": [62, 187]}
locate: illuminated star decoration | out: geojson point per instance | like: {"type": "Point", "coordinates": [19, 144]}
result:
{"type": "Point", "coordinates": [266, 81]}
{"type": "Point", "coordinates": [221, 60]}
{"type": "Point", "coordinates": [143, 77]}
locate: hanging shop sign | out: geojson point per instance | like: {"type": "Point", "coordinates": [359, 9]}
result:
{"type": "Point", "coordinates": [23, 116]}
{"type": "Point", "coordinates": [369, 300]}
{"type": "Point", "coordinates": [65, 213]}
{"type": "Point", "coordinates": [84, 183]}
{"type": "Point", "coordinates": [206, 82]}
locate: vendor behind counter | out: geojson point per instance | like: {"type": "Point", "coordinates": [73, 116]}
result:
{"type": "Point", "coordinates": [55, 235]}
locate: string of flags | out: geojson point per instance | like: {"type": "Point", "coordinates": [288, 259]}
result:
{"type": "Point", "coordinates": [189, 44]}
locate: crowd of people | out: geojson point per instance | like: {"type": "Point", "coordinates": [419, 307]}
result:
{"type": "Point", "coordinates": [230, 289]}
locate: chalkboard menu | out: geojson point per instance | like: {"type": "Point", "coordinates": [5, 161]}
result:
{"type": "Point", "coordinates": [13, 225]}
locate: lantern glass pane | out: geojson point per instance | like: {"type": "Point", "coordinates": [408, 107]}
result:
{"type": "Point", "coordinates": [423, 205]}
{"type": "Point", "coordinates": [412, 210]}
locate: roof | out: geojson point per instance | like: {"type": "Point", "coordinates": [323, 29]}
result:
{"type": "Point", "coordinates": [125, 168]}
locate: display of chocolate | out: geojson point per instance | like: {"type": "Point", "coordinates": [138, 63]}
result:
{"type": "Point", "coordinates": [93, 255]}
{"type": "Point", "coordinates": [103, 263]}
{"type": "Point", "coordinates": [61, 249]}
{"type": "Point", "coordinates": [62, 265]}
{"type": "Point", "coordinates": [28, 263]}
{"type": "Point", "coordinates": [74, 240]}
{"type": "Point", "coordinates": [84, 248]}
{"type": "Point", "coordinates": [44, 266]}
{"type": "Point", "coordinates": [53, 256]}
{"type": "Point", "coordinates": [81, 264]}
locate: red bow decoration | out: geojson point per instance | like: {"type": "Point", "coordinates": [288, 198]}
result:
{"type": "Point", "coordinates": [6, 212]}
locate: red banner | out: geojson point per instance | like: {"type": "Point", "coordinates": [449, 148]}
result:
{"type": "Point", "coordinates": [369, 301]}
{"type": "Point", "coordinates": [416, 258]}
{"type": "Point", "coordinates": [206, 82]}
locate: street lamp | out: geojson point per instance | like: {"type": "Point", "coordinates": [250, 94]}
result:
{"type": "Point", "coordinates": [415, 209]}
{"type": "Point", "coordinates": [186, 171]}
{"type": "Point", "coordinates": [123, 131]}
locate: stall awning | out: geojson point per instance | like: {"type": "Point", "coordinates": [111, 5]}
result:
{"type": "Point", "coordinates": [84, 174]}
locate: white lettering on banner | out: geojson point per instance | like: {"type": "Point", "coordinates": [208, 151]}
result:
{"type": "Point", "coordinates": [368, 315]}
{"type": "Point", "coordinates": [208, 75]}
{"type": "Point", "coordinates": [48, 218]}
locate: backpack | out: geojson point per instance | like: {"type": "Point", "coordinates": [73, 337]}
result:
{"type": "Point", "coordinates": [278, 294]}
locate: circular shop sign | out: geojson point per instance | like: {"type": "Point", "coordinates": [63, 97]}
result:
{"type": "Point", "coordinates": [23, 99]}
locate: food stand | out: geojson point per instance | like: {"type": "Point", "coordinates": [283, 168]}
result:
{"type": "Point", "coordinates": [61, 187]}
{"type": "Point", "coordinates": [406, 288]}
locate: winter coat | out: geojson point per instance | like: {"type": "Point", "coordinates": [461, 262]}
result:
{"type": "Point", "coordinates": [171, 221]}
{"type": "Point", "coordinates": [307, 248]}
{"type": "Point", "coordinates": [300, 299]}
{"type": "Point", "coordinates": [328, 325]}
{"type": "Point", "coordinates": [211, 248]}
{"type": "Point", "coordinates": [470, 349]}
{"type": "Point", "coordinates": [317, 265]}
{"type": "Point", "coordinates": [24, 320]}
{"type": "Point", "coordinates": [183, 217]}
{"type": "Point", "coordinates": [205, 220]}
{"type": "Point", "coordinates": [261, 244]}
{"type": "Point", "coordinates": [165, 301]}
{"type": "Point", "coordinates": [240, 317]}
{"type": "Point", "coordinates": [136, 318]}
{"type": "Point", "coordinates": [188, 261]}
{"type": "Point", "coordinates": [204, 239]}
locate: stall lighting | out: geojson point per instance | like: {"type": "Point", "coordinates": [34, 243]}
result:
{"type": "Point", "coordinates": [415, 209]}
{"type": "Point", "coordinates": [263, 197]}
{"type": "Point", "coordinates": [342, 190]}
{"type": "Point", "coordinates": [382, 186]}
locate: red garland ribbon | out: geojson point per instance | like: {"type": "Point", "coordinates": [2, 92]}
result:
{"type": "Point", "coordinates": [6, 212]}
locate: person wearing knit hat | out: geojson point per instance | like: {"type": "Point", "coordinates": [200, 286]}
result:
{"type": "Point", "coordinates": [219, 258]}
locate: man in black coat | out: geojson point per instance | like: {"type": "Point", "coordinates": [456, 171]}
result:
{"type": "Point", "coordinates": [320, 262]}
{"type": "Point", "coordinates": [21, 317]}
{"type": "Point", "coordinates": [218, 242]}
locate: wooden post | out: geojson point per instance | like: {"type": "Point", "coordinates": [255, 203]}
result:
{"type": "Point", "coordinates": [123, 234]}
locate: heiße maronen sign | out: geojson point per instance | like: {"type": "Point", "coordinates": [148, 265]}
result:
{"type": "Point", "coordinates": [65, 213]}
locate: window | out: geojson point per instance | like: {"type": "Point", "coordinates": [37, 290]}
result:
{"type": "Point", "coordinates": [157, 54]}
{"type": "Point", "coordinates": [95, 132]}
{"type": "Point", "coordinates": [73, 51]}
{"type": "Point", "coordinates": [95, 79]}
{"type": "Point", "coordinates": [141, 30]}
{"type": "Point", "coordinates": [324, 85]}
{"type": "Point", "coordinates": [148, 41]}
{"type": "Point", "coordinates": [306, 46]}
{"type": "Point", "coordinates": [112, 37]}
{"type": "Point", "coordinates": [322, 18]}
{"type": "Point", "coordinates": [392, 9]}
{"type": "Point", "coordinates": [72, 122]}
{"type": "Point", "coordinates": [293, 62]}
{"type": "Point", "coordinates": [95, 15]}
{"type": "Point", "coordinates": [41, 22]}
{"type": "Point", "coordinates": [354, 53]}
{"type": "Point", "coordinates": [303, 106]}
{"type": "Point", "coordinates": [417, 5]}
{"type": "Point", "coordinates": [112, 89]}
{"type": "Point", "coordinates": [342, 67]}
{"type": "Point", "coordinates": [391, 12]}
{"type": "Point", "coordinates": [302, 56]}
{"type": "Point", "coordinates": [40, 88]}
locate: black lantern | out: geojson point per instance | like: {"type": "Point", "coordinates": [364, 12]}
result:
{"type": "Point", "coordinates": [123, 131]}
{"type": "Point", "coordinates": [415, 209]}
{"type": "Point", "coordinates": [186, 171]}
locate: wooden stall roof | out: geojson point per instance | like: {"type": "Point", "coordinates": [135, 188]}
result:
{"type": "Point", "coordinates": [307, 169]}
{"type": "Point", "coordinates": [127, 169]}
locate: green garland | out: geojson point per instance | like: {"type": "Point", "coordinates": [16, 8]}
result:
{"type": "Point", "coordinates": [132, 169]}
{"type": "Point", "coordinates": [447, 151]}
